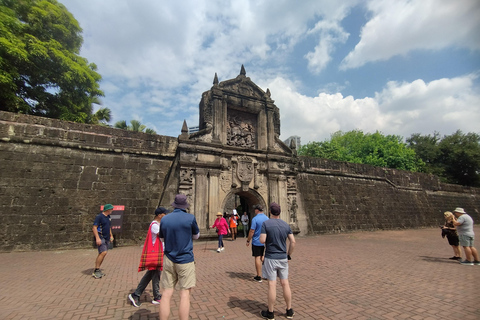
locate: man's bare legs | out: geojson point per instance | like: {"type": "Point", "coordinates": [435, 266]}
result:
{"type": "Point", "coordinates": [287, 293]}
{"type": "Point", "coordinates": [99, 260]}
{"type": "Point", "coordinates": [184, 308]}
{"type": "Point", "coordinates": [471, 254]}
{"type": "Point", "coordinates": [164, 310]}
{"type": "Point", "coordinates": [272, 294]}
{"type": "Point", "coordinates": [258, 265]}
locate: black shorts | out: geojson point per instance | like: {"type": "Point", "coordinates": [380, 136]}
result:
{"type": "Point", "coordinates": [257, 251]}
{"type": "Point", "coordinates": [453, 240]}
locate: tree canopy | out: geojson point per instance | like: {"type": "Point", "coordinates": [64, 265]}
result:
{"type": "Point", "coordinates": [367, 148]}
{"type": "Point", "coordinates": [454, 158]}
{"type": "Point", "coordinates": [41, 71]}
{"type": "Point", "coordinates": [135, 125]}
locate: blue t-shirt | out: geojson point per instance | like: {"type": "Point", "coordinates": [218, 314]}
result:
{"type": "Point", "coordinates": [277, 232]}
{"type": "Point", "coordinates": [257, 222]}
{"type": "Point", "coordinates": [103, 226]}
{"type": "Point", "coordinates": [177, 229]}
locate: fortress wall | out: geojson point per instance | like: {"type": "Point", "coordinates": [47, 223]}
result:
{"type": "Point", "coordinates": [56, 174]}
{"type": "Point", "coordinates": [340, 196]}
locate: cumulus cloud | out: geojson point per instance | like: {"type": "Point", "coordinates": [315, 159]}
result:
{"type": "Point", "coordinates": [398, 27]}
{"type": "Point", "coordinates": [443, 105]}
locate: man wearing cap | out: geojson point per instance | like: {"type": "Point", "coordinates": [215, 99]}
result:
{"type": "Point", "coordinates": [152, 260]}
{"type": "Point", "coordinates": [177, 230]}
{"type": "Point", "coordinates": [254, 236]}
{"type": "Point", "coordinates": [274, 235]}
{"type": "Point", "coordinates": [466, 236]}
{"type": "Point", "coordinates": [103, 236]}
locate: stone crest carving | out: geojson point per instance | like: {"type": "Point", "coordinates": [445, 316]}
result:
{"type": "Point", "coordinates": [224, 181]}
{"type": "Point", "coordinates": [245, 169]}
{"type": "Point", "coordinates": [186, 176]}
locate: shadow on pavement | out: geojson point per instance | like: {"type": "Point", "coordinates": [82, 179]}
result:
{"type": "Point", "coordinates": [252, 306]}
{"type": "Point", "coordinates": [436, 259]}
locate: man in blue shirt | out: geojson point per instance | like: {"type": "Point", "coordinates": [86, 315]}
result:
{"type": "Point", "coordinates": [254, 236]}
{"type": "Point", "coordinates": [274, 235]}
{"type": "Point", "coordinates": [103, 236]}
{"type": "Point", "coordinates": [177, 230]}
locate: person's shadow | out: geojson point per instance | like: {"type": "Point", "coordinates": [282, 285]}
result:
{"type": "Point", "coordinates": [437, 259]}
{"type": "Point", "coordinates": [143, 314]}
{"type": "Point", "coordinates": [240, 275]}
{"type": "Point", "coordinates": [251, 306]}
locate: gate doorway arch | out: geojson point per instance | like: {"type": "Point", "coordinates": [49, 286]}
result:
{"type": "Point", "coordinates": [245, 199]}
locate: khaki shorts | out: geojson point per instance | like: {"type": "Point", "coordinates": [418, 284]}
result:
{"type": "Point", "coordinates": [181, 274]}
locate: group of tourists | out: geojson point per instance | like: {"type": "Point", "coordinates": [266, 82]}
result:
{"type": "Point", "coordinates": [458, 230]}
{"type": "Point", "coordinates": [169, 248]}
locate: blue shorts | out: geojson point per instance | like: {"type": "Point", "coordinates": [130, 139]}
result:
{"type": "Point", "coordinates": [104, 246]}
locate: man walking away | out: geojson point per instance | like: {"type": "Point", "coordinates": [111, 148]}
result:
{"type": "Point", "coordinates": [254, 235]}
{"type": "Point", "coordinates": [177, 230]}
{"type": "Point", "coordinates": [103, 236]}
{"type": "Point", "coordinates": [274, 235]}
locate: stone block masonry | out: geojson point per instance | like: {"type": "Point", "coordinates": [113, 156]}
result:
{"type": "Point", "coordinates": [342, 197]}
{"type": "Point", "coordinates": [54, 175]}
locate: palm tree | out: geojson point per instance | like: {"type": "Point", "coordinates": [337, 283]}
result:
{"type": "Point", "coordinates": [135, 125]}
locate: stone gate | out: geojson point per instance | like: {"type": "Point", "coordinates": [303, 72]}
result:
{"type": "Point", "coordinates": [236, 157]}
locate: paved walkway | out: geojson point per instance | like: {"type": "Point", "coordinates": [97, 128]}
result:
{"type": "Point", "coordinates": [366, 275]}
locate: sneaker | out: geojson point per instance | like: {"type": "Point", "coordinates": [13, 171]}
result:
{"type": "Point", "coordinates": [267, 315]}
{"type": "Point", "coordinates": [222, 248]}
{"type": "Point", "coordinates": [156, 301]}
{"type": "Point", "coordinates": [97, 274]}
{"type": "Point", "coordinates": [134, 300]}
{"type": "Point", "coordinates": [290, 313]}
{"type": "Point", "coordinates": [218, 250]}
{"type": "Point", "coordinates": [257, 278]}
{"type": "Point", "coordinates": [477, 263]}
{"type": "Point", "coordinates": [466, 263]}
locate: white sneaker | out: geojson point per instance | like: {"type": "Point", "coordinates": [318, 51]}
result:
{"type": "Point", "coordinates": [218, 250]}
{"type": "Point", "coordinates": [223, 248]}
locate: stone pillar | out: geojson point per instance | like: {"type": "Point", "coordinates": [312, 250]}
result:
{"type": "Point", "coordinates": [201, 196]}
{"type": "Point", "coordinates": [213, 195]}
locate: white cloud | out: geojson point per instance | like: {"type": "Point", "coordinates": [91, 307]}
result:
{"type": "Point", "coordinates": [398, 27]}
{"type": "Point", "coordinates": [443, 105]}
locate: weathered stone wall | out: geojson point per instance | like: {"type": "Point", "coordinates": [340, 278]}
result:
{"type": "Point", "coordinates": [56, 174]}
{"type": "Point", "coordinates": [340, 196]}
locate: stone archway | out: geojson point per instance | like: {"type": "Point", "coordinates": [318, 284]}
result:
{"type": "Point", "coordinates": [250, 197]}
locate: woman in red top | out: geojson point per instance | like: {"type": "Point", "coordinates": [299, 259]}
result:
{"type": "Point", "coordinates": [222, 230]}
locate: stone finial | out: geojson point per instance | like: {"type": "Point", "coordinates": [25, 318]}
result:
{"type": "Point", "coordinates": [184, 134]}
{"type": "Point", "coordinates": [215, 80]}
{"type": "Point", "coordinates": [242, 71]}
{"type": "Point", "coordinates": [293, 144]}
{"type": "Point", "coordinates": [268, 93]}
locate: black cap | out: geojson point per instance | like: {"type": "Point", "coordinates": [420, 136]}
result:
{"type": "Point", "coordinates": [160, 210]}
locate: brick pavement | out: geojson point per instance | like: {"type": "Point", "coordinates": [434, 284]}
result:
{"type": "Point", "coordinates": [366, 275]}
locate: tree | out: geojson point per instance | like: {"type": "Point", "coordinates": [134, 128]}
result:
{"type": "Point", "coordinates": [41, 72]}
{"type": "Point", "coordinates": [460, 156]}
{"type": "Point", "coordinates": [371, 148]}
{"type": "Point", "coordinates": [454, 158]}
{"type": "Point", "coordinates": [135, 125]}
{"type": "Point", "coordinates": [426, 148]}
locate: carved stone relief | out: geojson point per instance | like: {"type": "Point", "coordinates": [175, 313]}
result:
{"type": "Point", "coordinates": [225, 181]}
{"type": "Point", "coordinates": [292, 207]}
{"type": "Point", "coordinates": [241, 129]}
{"type": "Point", "coordinates": [186, 176]}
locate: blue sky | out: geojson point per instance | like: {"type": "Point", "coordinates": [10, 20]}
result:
{"type": "Point", "coordinates": [395, 66]}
